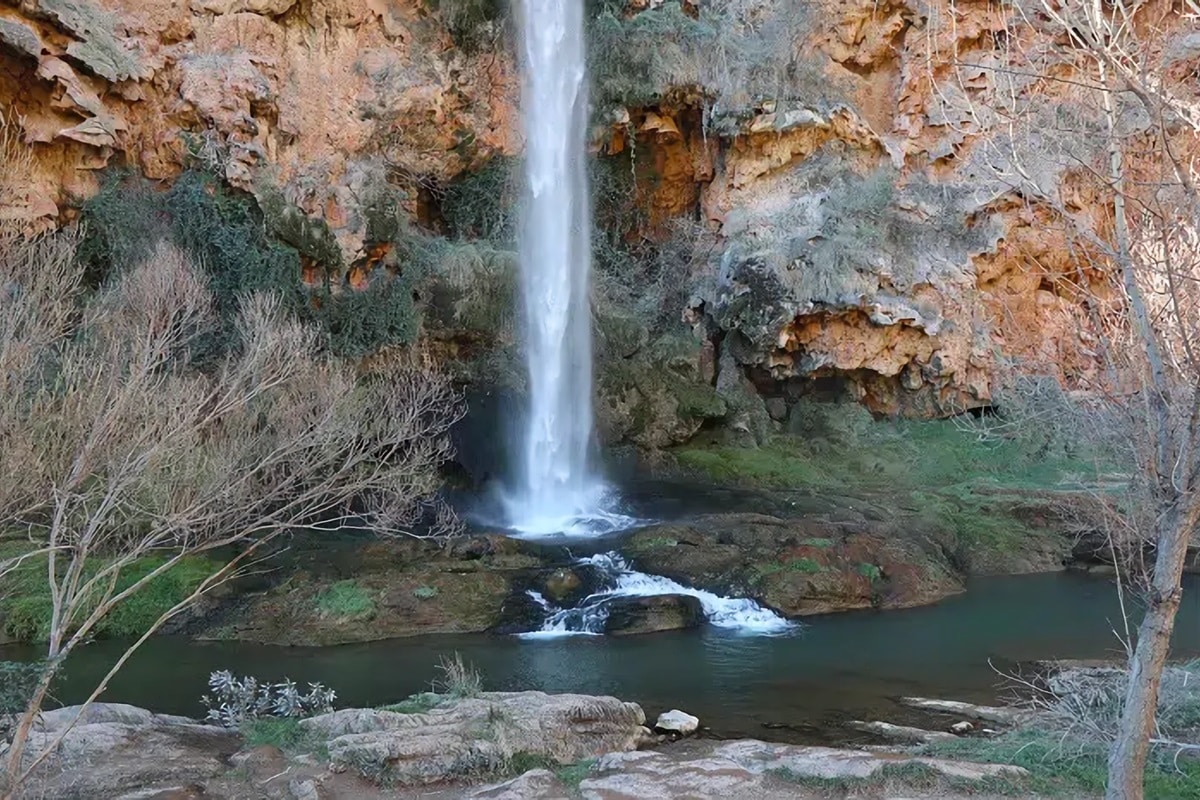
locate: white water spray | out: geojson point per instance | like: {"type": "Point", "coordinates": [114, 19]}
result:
{"type": "Point", "coordinates": [556, 491]}
{"type": "Point", "coordinates": [739, 614]}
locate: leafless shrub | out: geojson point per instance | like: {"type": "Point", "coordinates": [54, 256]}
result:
{"type": "Point", "coordinates": [116, 448]}
{"type": "Point", "coordinates": [1081, 707]}
{"type": "Point", "coordinates": [459, 679]}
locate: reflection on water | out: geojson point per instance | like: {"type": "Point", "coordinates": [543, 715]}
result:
{"type": "Point", "coordinates": [837, 667]}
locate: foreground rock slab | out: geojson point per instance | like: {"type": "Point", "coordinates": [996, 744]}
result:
{"type": "Point", "coordinates": [730, 771]}
{"type": "Point", "coordinates": [115, 750]}
{"type": "Point", "coordinates": [832, 763]}
{"type": "Point", "coordinates": [476, 734]}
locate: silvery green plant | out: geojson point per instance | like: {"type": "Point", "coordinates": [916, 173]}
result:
{"type": "Point", "coordinates": [235, 700]}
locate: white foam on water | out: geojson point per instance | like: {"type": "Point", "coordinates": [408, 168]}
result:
{"type": "Point", "coordinates": [739, 614]}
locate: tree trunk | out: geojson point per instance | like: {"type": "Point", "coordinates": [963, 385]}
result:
{"type": "Point", "coordinates": [16, 751]}
{"type": "Point", "coordinates": [1127, 758]}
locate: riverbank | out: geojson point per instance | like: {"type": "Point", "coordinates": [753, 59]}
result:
{"type": "Point", "coordinates": [520, 745]}
{"type": "Point", "coordinates": [463, 743]}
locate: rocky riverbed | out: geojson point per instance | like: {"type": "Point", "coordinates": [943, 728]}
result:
{"type": "Point", "coordinates": [796, 558]}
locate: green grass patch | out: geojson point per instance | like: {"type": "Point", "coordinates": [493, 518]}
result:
{"type": "Point", "coordinates": [1059, 767]}
{"type": "Point", "coordinates": [345, 599]}
{"type": "Point", "coordinates": [805, 566]}
{"type": "Point", "coordinates": [956, 483]}
{"type": "Point", "coordinates": [571, 775]}
{"type": "Point", "coordinates": [417, 704]}
{"type": "Point", "coordinates": [285, 733]}
{"type": "Point", "coordinates": [425, 592]}
{"type": "Point", "coordinates": [26, 607]}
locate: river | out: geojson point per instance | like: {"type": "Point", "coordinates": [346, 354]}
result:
{"type": "Point", "coordinates": [799, 687]}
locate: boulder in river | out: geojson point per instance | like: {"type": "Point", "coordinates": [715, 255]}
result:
{"type": "Point", "coordinates": [653, 613]}
{"type": "Point", "coordinates": [676, 721]}
{"type": "Point", "coordinates": [476, 734]}
{"type": "Point", "coordinates": [561, 584]}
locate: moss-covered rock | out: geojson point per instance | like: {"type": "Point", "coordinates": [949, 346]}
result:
{"type": "Point", "coordinates": [398, 588]}
{"type": "Point", "coordinates": [657, 398]}
{"type": "Point", "coordinates": [798, 566]}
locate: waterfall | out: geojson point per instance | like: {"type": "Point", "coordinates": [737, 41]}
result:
{"type": "Point", "coordinates": [556, 490]}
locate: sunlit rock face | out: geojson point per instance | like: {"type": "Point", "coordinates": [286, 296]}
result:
{"type": "Point", "coordinates": [865, 186]}
{"type": "Point", "coordinates": [340, 105]}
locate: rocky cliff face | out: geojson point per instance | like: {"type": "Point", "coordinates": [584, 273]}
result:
{"type": "Point", "coordinates": [334, 105]}
{"type": "Point", "coordinates": [852, 193]}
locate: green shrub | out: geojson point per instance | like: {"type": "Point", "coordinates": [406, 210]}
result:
{"type": "Point", "coordinates": [18, 680]}
{"type": "Point", "coordinates": [226, 232]}
{"type": "Point", "coordinates": [345, 599]}
{"type": "Point", "coordinates": [733, 55]}
{"type": "Point", "coordinates": [471, 23]}
{"type": "Point", "coordinates": [484, 204]}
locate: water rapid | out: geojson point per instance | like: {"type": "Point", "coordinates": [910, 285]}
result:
{"type": "Point", "coordinates": [556, 491]}
{"type": "Point", "coordinates": [589, 617]}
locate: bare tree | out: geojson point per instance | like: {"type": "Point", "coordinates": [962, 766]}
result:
{"type": "Point", "coordinates": [1124, 66]}
{"type": "Point", "coordinates": [115, 447]}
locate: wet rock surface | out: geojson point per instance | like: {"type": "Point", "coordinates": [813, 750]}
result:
{"type": "Point", "coordinates": [628, 616]}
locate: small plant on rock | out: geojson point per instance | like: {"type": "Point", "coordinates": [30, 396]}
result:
{"type": "Point", "coordinates": [235, 701]}
{"type": "Point", "coordinates": [459, 679]}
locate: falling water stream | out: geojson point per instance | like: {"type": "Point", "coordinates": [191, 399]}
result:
{"type": "Point", "coordinates": [556, 491]}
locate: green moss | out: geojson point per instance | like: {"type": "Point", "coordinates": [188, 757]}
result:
{"type": "Point", "coordinates": [345, 600]}
{"type": "Point", "coordinates": [822, 543]}
{"type": "Point", "coordinates": [26, 608]}
{"type": "Point", "coordinates": [970, 492]}
{"type": "Point", "coordinates": [870, 571]}
{"type": "Point", "coordinates": [805, 566]}
{"type": "Point", "coordinates": [425, 592]}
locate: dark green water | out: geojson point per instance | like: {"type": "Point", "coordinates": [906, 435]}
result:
{"type": "Point", "coordinates": [797, 688]}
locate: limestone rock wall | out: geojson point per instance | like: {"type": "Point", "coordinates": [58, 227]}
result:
{"type": "Point", "coordinates": [332, 102]}
{"type": "Point", "coordinates": [871, 187]}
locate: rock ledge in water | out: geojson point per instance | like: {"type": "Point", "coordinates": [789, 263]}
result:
{"type": "Point", "coordinates": [653, 613]}
{"type": "Point", "coordinates": [676, 721]}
